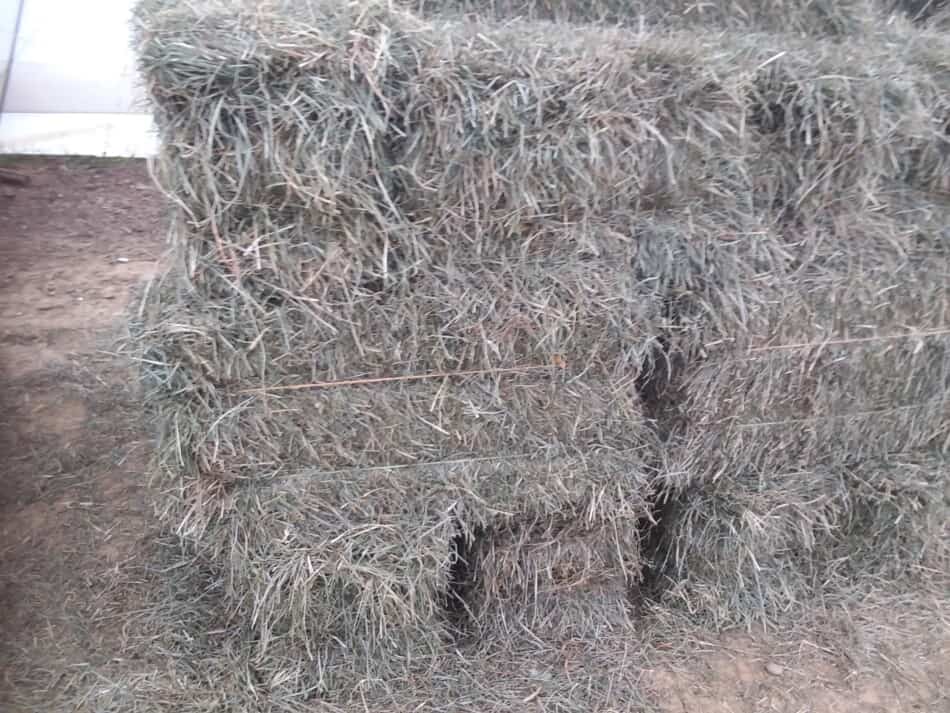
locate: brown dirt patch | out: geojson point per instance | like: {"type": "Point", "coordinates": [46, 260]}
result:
{"type": "Point", "coordinates": [74, 245]}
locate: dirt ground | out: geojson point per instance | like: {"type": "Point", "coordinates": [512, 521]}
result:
{"type": "Point", "coordinates": [74, 245]}
{"type": "Point", "coordinates": [75, 510]}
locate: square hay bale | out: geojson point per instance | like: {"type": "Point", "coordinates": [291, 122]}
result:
{"type": "Point", "coordinates": [837, 128]}
{"type": "Point", "coordinates": [554, 580]}
{"type": "Point", "coordinates": [815, 18]}
{"type": "Point", "coordinates": [242, 437]}
{"type": "Point", "coordinates": [827, 362]}
{"type": "Point", "coordinates": [925, 12]}
{"type": "Point", "coordinates": [467, 139]}
{"type": "Point", "coordinates": [478, 139]}
{"type": "Point", "coordinates": [366, 556]}
{"type": "Point", "coordinates": [852, 368]}
{"type": "Point", "coordinates": [582, 611]}
{"type": "Point", "coordinates": [898, 520]}
{"type": "Point", "coordinates": [750, 546]}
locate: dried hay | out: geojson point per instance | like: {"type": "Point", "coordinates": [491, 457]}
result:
{"type": "Point", "coordinates": [582, 611]}
{"type": "Point", "coordinates": [926, 12]}
{"type": "Point", "coordinates": [551, 358]}
{"type": "Point", "coordinates": [443, 282]}
{"type": "Point", "coordinates": [759, 546]}
{"type": "Point", "coordinates": [849, 371]}
{"type": "Point", "coordinates": [183, 651]}
{"type": "Point", "coordinates": [365, 556]}
{"type": "Point", "coordinates": [814, 17]}
{"type": "Point", "coordinates": [798, 397]}
{"type": "Point", "coordinates": [545, 146]}
{"type": "Point", "coordinates": [555, 581]}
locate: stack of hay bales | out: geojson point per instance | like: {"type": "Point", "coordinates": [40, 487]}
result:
{"type": "Point", "coordinates": [818, 392]}
{"type": "Point", "coordinates": [399, 332]}
{"type": "Point", "coordinates": [459, 307]}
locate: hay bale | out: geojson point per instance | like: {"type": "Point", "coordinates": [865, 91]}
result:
{"type": "Point", "coordinates": [464, 134]}
{"type": "Point", "coordinates": [898, 525]}
{"type": "Point", "coordinates": [850, 369]}
{"type": "Point", "coordinates": [252, 436]}
{"type": "Point", "coordinates": [803, 392]}
{"type": "Point", "coordinates": [365, 556]}
{"type": "Point", "coordinates": [752, 546]}
{"type": "Point", "coordinates": [923, 11]}
{"type": "Point", "coordinates": [554, 555]}
{"type": "Point", "coordinates": [582, 611]}
{"type": "Point", "coordinates": [551, 357]}
{"type": "Point", "coordinates": [824, 17]}
{"type": "Point", "coordinates": [554, 581]}
{"type": "Point", "coordinates": [472, 140]}
{"type": "Point", "coordinates": [836, 125]}
{"type": "Point", "coordinates": [538, 145]}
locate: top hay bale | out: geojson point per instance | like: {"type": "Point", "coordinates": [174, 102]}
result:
{"type": "Point", "coordinates": [358, 135]}
{"type": "Point", "coordinates": [811, 17]}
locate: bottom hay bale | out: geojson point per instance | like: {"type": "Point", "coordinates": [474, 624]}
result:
{"type": "Point", "coordinates": [191, 655]}
{"type": "Point", "coordinates": [555, 553]}
{"type": "Point", "coordinates": [581, 610]}
{"type": "Point", "coordinates": [366, 556]}
{"type": "Point", "coordinates": [898, 519]}
{"type": "Point", "coordinates": [557, 580]}
{"type": "Point", "coordinates": [363, 566]}
{"type": "Point", "coordinates": [749, 547]}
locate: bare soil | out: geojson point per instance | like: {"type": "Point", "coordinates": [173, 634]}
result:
{"type": "Point", "coordinates": [76, 510]}
{"type": "Point", "coordinates": [74, 246]}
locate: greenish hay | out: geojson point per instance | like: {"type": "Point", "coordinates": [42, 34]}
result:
{"type": "Point", "coordinates": [856, 371]}
{"type": "Point", "coordinates": [583, 611]}
{"type": "Point", "coordinates": [535, 138]}
{"type": "Point", "coordinates": [784, 438]}
{"type": "Point", "coordinates": [177, 651]}
{"type": "Point", "coordinates": [554, 556]}
{"type": "Point", "coordinates": [813, 17]}
{"type": "Point", "coordinates": [450, 281]}
{"type": "Point", "coordinates": [816, 409]}
{"type": "Point", "coordinates": [554, 580]}
{"type": "Point", "coordinates": [550, 359]}
{"type": "Point", "coordinates": [365, 556]}
{"type": "Point", "coordinates": [755, 547]}
{"type": "Point", "coordinates": [933, 13]}
{"type": "Point", "coordinates": [251, 436]}
{"type": "Point", "coordinates": [183, 648]}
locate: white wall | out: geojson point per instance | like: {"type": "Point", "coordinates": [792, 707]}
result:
{"type": "Point", "coordinates": [73, 87]}
{"type": "Point", "coordinates": [8, 16]}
